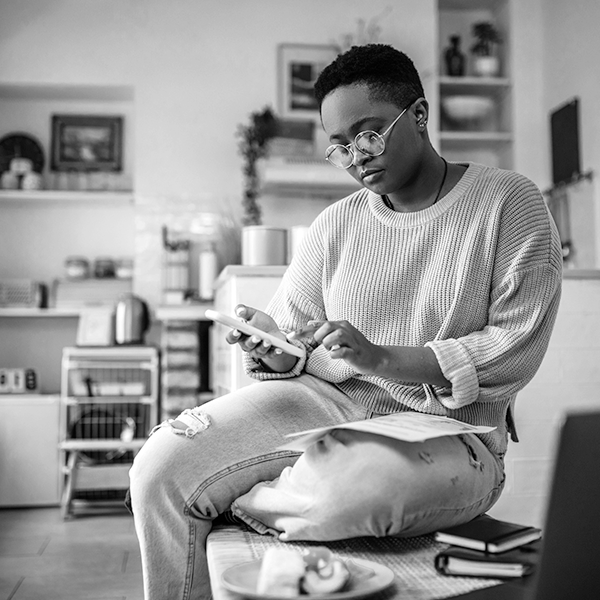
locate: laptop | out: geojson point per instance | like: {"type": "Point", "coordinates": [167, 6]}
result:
{"type": "Point", "coordinates": [569, 566]}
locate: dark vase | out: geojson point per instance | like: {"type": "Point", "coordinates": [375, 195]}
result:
{"type": "Point", "coordinates": [455, 59]}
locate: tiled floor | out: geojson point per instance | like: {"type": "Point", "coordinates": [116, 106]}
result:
{"type": "Point", "coordinates": [93, 556]}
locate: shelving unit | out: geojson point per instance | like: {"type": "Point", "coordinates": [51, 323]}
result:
{"type": "Point", "coordinates": [491, 141]}
{"type": "Point", "coordinates": [91, 216]}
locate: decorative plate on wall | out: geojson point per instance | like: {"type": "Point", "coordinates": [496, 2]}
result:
{"type": "Point", "coordinates": [21, 145]}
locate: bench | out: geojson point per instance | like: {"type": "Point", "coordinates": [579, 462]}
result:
{"type": "Point", "coordinates": [411, 560]}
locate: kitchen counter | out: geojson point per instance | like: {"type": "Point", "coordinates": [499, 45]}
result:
{"type": "Point", "coordinates": [581, 274]}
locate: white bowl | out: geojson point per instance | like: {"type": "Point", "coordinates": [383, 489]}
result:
{"type": "Point", "coordinates": [467, 108]}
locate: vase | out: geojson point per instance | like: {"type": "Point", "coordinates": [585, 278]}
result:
{"type": "Point", "coordinates": [486, 66]}
{"type": "Point", "coordinates": [455, 59]}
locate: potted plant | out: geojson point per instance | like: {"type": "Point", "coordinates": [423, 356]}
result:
{"type": "Point", "coordinates": [253, 145]}
{"type": "Point", "coordinates": [487, 37]}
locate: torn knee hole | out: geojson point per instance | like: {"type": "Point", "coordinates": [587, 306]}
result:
{"type": "Point", "coordinates": [190, 422]}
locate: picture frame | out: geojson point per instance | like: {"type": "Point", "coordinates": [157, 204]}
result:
{"type": "Point", "coordinates": [299, 65]}
{"type": "Point", "coordinates": [87, 143]}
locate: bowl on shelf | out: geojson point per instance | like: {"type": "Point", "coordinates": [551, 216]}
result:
{"type": "Point", "coordinates": [467, 109]}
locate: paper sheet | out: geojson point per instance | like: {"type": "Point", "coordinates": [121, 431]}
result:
{"type": "Point", "coordinates": [406, 426]}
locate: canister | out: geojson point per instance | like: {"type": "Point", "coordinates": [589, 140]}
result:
{"type": "Point", "coordinates": [264, 245]}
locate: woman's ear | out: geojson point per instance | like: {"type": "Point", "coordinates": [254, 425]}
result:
{"type": "Point", "coordinates": [421, 112]}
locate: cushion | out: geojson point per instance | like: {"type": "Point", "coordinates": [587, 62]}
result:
{"type": "Point", "coordinates": [348, 485]}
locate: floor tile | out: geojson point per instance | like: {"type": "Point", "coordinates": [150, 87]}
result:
{"type": "Point", "coordinates": [24, 546]}
{"type": "Point", "coordinates": [91, 557]}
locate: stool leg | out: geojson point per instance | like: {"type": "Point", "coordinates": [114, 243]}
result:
{"type": "Point", "coordinates": [70, 471]}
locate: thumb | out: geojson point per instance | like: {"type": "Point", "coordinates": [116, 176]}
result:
{"type": "Point", "coordinates": [244, 312]}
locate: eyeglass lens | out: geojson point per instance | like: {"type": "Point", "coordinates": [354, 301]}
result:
{"type": "Point", "coordinates": [367, 142]}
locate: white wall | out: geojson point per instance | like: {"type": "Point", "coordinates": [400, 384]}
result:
{"type": "Point", "coordinates": [570, 68]}
{"type": "Point", "coordinates": [198, 67]}
{"type": "Point", "coordinates": [568, 380]}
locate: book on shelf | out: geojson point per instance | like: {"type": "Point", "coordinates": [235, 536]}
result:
{"type": "Point", "coordinates": [474, 563]}
{"type": "Point", "coordinates": [487, 534]}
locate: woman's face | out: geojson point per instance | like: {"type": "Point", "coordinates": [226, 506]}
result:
{"type": "Point", "coordinates": [347, 111]}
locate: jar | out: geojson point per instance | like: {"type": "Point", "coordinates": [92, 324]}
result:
{"type": "Point", "coordinates": [77, 267]}
{"type": "Point", "coordinates": [104, 268]}
{"type": "Point", "coordinates": [263, 245]}
{"type": "Point", "coordinates": [124, 269]}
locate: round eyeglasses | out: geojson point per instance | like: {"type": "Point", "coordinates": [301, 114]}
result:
{"type": "Point", "coordinates": [369, 143]}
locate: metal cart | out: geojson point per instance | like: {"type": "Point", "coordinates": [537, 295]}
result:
{"type": "Point", "coordinates": [109, 404]}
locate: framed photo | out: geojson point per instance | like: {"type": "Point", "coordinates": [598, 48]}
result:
{"type": "Point", "coordinates": [299, 65]}
{"type": "Point", "coordinates": [87, 143]}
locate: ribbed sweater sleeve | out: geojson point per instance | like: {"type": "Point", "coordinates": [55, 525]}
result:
{"type": "Point", "coordinates": [476, 277]}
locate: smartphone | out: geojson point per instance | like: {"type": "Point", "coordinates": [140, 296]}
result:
{"type": "Point", "coordinates": [248, 329]}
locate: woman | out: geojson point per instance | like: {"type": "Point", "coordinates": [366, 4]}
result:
{"type": "Point", "coordinates": [433, 289]}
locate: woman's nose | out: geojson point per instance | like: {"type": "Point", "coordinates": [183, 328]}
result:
{"type": "Point", "coordinates": [359, 157]}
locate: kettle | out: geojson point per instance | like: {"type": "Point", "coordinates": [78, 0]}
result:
{"type": "Point", "coordinates": [132, 320]}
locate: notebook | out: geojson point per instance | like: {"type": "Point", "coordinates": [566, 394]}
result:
{"type": "Point", "coordinates": [569, 564]}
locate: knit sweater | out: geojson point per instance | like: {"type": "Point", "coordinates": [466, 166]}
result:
{"type": "Point", "coordinates": [476, 277]}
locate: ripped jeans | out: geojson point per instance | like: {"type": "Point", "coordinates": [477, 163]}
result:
{"type": "Point", "coordinates": [193, 468]}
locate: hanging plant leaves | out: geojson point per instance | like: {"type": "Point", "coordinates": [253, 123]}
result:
{"type": "Point", "coordinates": [253, 145]}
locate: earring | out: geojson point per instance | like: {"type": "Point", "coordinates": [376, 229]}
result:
{"type": "Point", "coordinates": [423, 123]}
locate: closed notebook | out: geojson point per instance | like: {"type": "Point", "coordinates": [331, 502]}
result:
{"type": "Point", "coordinates": [488, 535]}
{"type": "Point", "coordinates": [473, 563]}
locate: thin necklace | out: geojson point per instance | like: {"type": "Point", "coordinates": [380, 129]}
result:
{"type": "Point", "coordinates": [388, 203]}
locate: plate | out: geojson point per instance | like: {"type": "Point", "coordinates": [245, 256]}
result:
{"type": "Point", "coordinates": [366, 578]}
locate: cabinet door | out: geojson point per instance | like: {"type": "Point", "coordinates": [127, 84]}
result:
{"type": "Point", "coordinates": [29, 457]}
{"type": "Point", "coordinates": [227, 368]}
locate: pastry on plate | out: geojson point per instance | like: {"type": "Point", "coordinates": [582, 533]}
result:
{"type": "Point", "coordinates": [280, 573]}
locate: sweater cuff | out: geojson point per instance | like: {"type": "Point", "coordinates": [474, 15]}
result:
{"type": "Point", "coordinates": [256, 370]}
{"type": "Point", "coordinates": [458, 369]}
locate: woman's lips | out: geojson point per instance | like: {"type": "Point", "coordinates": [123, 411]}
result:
{"type": "Point", "coordinates": [370, 175]}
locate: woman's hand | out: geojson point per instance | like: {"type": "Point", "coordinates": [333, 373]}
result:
{"type": "Point", "coordinates": [344, 341]}
{"type": "Point", "coordinates": [261, 350]}
{"type": "Point", "coordinates": [404, 363]}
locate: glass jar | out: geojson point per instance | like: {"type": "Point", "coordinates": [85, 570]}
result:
{"type": "Point", "coordinates": [104, 268]}
{"type": "Point", "coordinates": [124, 268]}
{"type": "Point", "coordinates": [77, 267]}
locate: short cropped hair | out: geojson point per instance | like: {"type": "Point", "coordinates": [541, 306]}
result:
{"type": "Point", "coordinates": [389, 74]}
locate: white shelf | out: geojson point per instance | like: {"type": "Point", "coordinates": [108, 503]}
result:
{"type": "Point", "coordinates": [56, 196]}
{"type": "Point", "coordinates": [471, 81]}
{"type": "Point", "coordinates": [40, 312]}
{"type": "Point", "coordinates": [70, 92]}
{"type": "Point", "coordinates": [482, 86]}
{"type": "Point", "coordinates": [184, 312]}
{"type": "Point", "coordinates": [476, 137]}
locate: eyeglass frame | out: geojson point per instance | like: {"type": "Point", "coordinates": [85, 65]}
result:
{"type": "Point", "coordinates": [350, 147]}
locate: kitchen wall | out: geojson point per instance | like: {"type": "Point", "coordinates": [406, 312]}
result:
{"type": "Point", "coordinates": [198, 68]}
{"type": "Point", "coordinates": [571, 49]}
{"type": "Point", "coordinates": [568, 380]}
{"type": "Point", "coordinates": [566, 47]}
